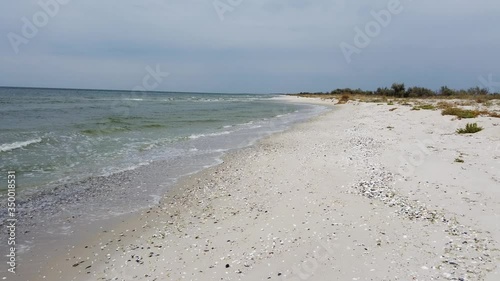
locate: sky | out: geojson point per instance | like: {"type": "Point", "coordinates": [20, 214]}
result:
{"type": "Point", "coordinates": [249, 46]}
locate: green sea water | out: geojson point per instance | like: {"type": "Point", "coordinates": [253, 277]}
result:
{"type": "Point", "coordinates": [52, 136]}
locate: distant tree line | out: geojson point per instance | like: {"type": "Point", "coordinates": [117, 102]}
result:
{"type": "Point", "coordinates": [399, 90]}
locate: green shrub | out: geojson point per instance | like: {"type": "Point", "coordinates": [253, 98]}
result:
{"type": "Point", "coordinates": [459, 160]}
{"type": "Point", "coordinates": [419, 92]}
{"type": "Point", "coordinates": [424, 106]}
{"type": "Point", "coordinates": [460, 113]}
{"type": "Point", "coordinates": [445, 91]}
{"type": "Point", "coordinates": [427, 107]}
{"type": "Point", "coordinates": [470, 128]}
{"type": "Point", "coordinates": [399, 90]}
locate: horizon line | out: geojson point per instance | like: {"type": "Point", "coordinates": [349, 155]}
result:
{"type": "Point", "coordinates": [117, 90]}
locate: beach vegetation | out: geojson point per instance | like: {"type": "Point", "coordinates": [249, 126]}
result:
{"type": "Point", "coordinates": [399, 90]}
{"type": "Point", "coordinates": [444, 105]}
{"type": "Point", "coordinates": [427, 107]}
{"type": "Point", "coordinates": [493, 114]}
{"type": "Point", "coordinates": [487, 103]}
{"type": "Point", "coordinates": [419, 92]}
{"type": "Point", "coordinates": [470, 128]}
{"type": "Point", "coordinates": [424, 106]}
{"type": "Point", "coordinates": [460, 112]}
{"type": "Point", "coordinates": [405, 103]}
{"type": "Point", "coordinates": [344, 99]}
{"type": "Point", "coordinates": [445, 91]}
{"type": "Point", "coordinates": [466, 103]}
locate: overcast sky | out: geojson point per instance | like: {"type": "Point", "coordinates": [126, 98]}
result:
{"type": "Point", "coordinates": [249, 45]}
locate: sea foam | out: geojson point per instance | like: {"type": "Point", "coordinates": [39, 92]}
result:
{"type": "Point", "coordinates": [18, 144]}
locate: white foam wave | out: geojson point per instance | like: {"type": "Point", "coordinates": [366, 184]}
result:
{"type": "Point", "coordinates": [283, 115]}
{"type": "Point", "coordinates": [18, 144]}
{"type": "Point", "coordinates": [193, 137]}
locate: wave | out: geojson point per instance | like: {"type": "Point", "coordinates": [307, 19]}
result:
{"type": "Point", "coordinates": [105, 131]}
{"type": "Point", "coordinates": [18, 144]}
{"type": "Point", "coordinates": [116, 99]}
{"type": "Point", "coordinates": [196, 121]}
{"type": "Point", "coordinates": [153, 126]}
{"type": "Point", "coordinates": [203, 99]}
{"type": "Point", "coordinates": [111, 129]}
{"type": "Point", "coordinates": [193, 137]}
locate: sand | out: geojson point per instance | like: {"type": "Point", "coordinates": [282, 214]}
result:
{"type": "Point", "coordinates": [359, 193]}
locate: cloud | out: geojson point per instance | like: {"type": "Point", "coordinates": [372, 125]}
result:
{"type": "Point", "coordinates": [260, 46]}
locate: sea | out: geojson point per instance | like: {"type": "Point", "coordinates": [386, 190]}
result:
{"type": "Point", "coordinates": [61, 141]}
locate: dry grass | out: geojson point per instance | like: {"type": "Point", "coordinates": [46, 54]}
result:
{"type": "Point", "coordinates": [405, 102]}
{"type": "Point", "coordinates": [493, 114]}
{"type": "Point", "coordinates": [460, 113]}
{"type": "Point", "coordinates": [444, 105]}
{"type": "Point", "coordinates": [466, 103]}
{"type": "Point", "coordinates": [343, 99]}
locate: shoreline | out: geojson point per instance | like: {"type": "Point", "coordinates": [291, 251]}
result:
{"type": "Point", "coordinates": [76, 227]}
{"type": "Point", "coordinates": [310, 202]}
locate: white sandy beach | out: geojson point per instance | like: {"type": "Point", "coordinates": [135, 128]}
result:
{"type": "Point", "coordinates": [358, 193]}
